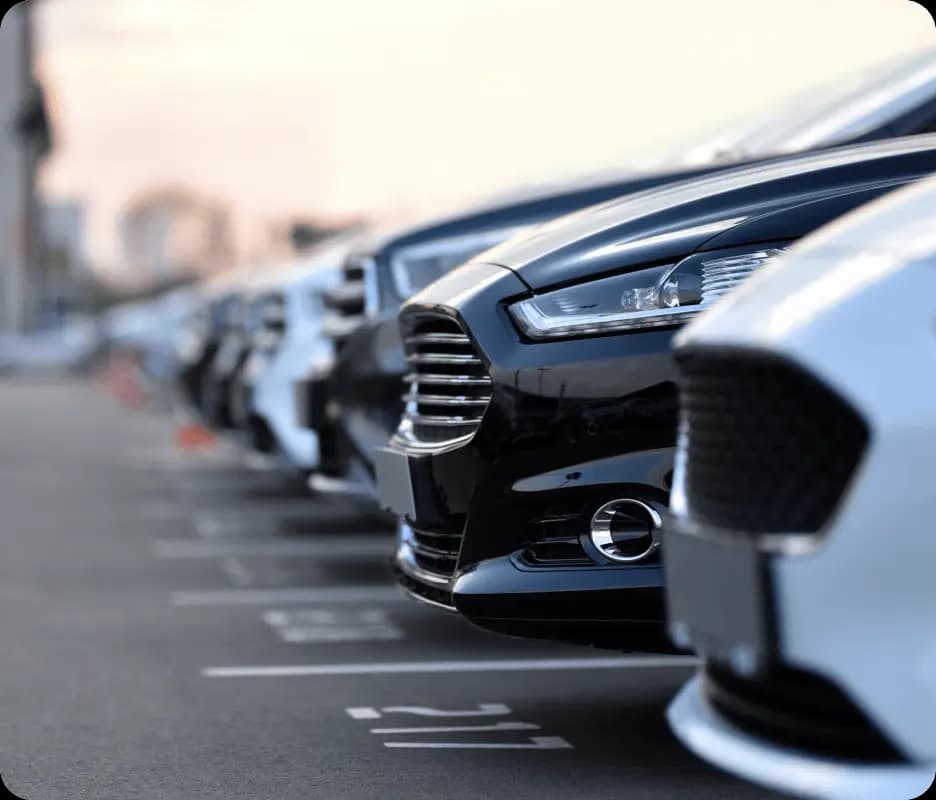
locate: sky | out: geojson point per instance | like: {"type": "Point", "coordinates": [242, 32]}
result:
{"type": "Point", "coordinates": [406, 107]}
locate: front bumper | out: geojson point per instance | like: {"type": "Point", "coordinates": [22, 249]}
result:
{"type": "Point", "coordinates": [594, 606]}
{"type": "Point", "coordinates": [496, 525]}
{"type": "Point", "coordinates": [707, 734]}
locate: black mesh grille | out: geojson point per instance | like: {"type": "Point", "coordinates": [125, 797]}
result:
{"type": "Point", "coordinates": [797, 709]}
{"type": "Point", "coordinates": [769, 449]}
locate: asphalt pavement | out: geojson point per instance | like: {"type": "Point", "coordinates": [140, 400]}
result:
{"type": "Point", "coordinates": [179, 625]}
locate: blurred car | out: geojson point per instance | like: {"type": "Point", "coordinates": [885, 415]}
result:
{"type": "Point", "coordinates": [364, 400]}
{"type": "Point", "coordinates": [67, 347]}
{"type": "Point", "coordinates": [288, 342]}
{"type": "Point", "coordinates": [532, 465]}
{"type": "Point", "coordinates": [156, 342]}
{"type": "Point", "coordinates": [246, 312]}
{"type": "Point", "coordinates": [199, 335]}
{"type": "Point", "coordinates": [799, 560]}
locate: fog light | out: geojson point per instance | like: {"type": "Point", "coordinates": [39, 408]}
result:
{"type": "Point", "coordinates": [626, 530]}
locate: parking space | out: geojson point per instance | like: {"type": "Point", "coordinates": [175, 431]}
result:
{"type": "Point", "coordinates": [181, 625]}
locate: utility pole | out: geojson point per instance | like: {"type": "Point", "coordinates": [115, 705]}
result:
{"type": "Point", "coordinates": [24, 141]}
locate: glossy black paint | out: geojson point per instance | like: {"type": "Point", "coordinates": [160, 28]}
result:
{"type": "Point", "coordinates": [363, 395]}
{"type": "Point", "coordinates": [575, 423]}
{"type": "Point", "coordinates": [364, 387]}
{"type": "Point", "coordinates": [734, 207]}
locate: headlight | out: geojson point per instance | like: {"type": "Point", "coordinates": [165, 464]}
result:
{"type": "Point", "coordinates": [655, 297]}
{"type": "Point", "coordinates": [418, 265]}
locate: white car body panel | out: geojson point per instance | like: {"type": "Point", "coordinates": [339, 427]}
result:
{"type": "Point", "coordinates": [854, 306]}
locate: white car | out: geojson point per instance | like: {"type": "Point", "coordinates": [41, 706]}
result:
{"type": "Point", "coordinates": [799, 558]}
{"type": "Point", "coordinates": [287, 343]}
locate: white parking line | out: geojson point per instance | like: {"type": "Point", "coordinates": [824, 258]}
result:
{"type": "Point", "coordinates": [497, 726]}
{"type": "Point", "coordinates": [351, 544]}
{"type": "Point", "coordinates": [320, 625]}
{"type": "Point", "coordinates": [536, 743]}
{"type": "Point", "coordinates": [483, 710]}
{"type": "Point", "coordinates": [422, 667]}
{"type": "Point", "coordinates": [380, 593]}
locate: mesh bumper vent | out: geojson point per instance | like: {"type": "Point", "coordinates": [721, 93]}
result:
{"type": "Point", "coordinates": [768, 448]}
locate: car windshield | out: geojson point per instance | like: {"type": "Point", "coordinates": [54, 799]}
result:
{"type": "Point", "coordinates": [829, 115]}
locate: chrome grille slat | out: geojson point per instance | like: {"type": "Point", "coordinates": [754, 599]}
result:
{"type": "Point", "coordinates": [447, 400]}
{"type": "Point", "coordinates": [435, 419]}
{"type": "Point", "coordinates": [447, 380]}
{"type": "Point", "coordinates": [435, 551]}
{"type": "Point", "coordinates": [438, 338]}
{"type": "Point", "coordinates": [448, 386]}
{"type": "Point", "coordinates": [442, 358]}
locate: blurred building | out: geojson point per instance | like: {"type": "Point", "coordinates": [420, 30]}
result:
{"type": "Point", "coordinates": [65, 272]}
{"type": "Point", "coordinates": [171, 233]}
{"type": "Point", "coordinates": [24, 141]}
{"type": "Point", "coordinates": [63, 227]}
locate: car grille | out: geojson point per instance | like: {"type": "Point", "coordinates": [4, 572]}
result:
{"type": "Point", "coordinates": [798, 709]}
{"type": "Point", "coordinates": [767, 448]}
{"type": "Point", "coordinates": [271, 327]}
{"type": "Point", "coordinates": [435, 552]}
{"type": "Point", "coordinates": [352, 301]}
{"type": "Point", "coordinates": [553, 538]}
{"type": "Point", "coordinates": [448, 386]}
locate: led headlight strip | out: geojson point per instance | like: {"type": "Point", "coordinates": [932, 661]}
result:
{"type": "Point", "coordinates": [656, 297]}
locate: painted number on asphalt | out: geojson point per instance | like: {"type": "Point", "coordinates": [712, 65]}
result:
{"type": "Point", "coordinates": [469, 743]}
{"type": "Point", "coordinates": [308, 625]}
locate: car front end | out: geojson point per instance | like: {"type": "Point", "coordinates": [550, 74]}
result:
{"type": "Point", "coordinates": [289, 338]}
{"type": "Point", "coordinates": [796, 561]}
{"type": "Point", "coordinates": [364, 399]}
{"type": "Point", "coordinates": [532, 466]}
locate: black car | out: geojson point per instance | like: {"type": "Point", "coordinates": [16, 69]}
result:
{"type": "Point", "coordinates": [198, 344]}
{"type": "Point", "coordinates": [232, 350]}
{"type": "Point", "coordinates": [532, 466]}
{"type": "Point", "coordinates": [362, 389]}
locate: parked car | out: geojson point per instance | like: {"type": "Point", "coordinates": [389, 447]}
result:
{"type": "Point", "coordinates": [170, 309]}
{"type": "Point", "coordinates": [199, 335]}
{"type": "Point", "coordinates": [288, 341]}
{"type": "Point", "coordinates": [364, 399]}
{"type": "Point", "coordinates": [799, 559]}
{"type": "Point", "coordinates": [531, 468]}
{"type": "Point", "coordinates": [242, 322]}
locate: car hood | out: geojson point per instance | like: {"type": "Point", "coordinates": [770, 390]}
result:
{"type": "Point", "coordinates": [525, 204]}
{"type": "Point", "coordinates": [818, 276]}
{"type": "Point", "coordinates": [778, 199]}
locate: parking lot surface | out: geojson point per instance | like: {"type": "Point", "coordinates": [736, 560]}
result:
{"type": "Point", "coordinates": [179, 625]}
